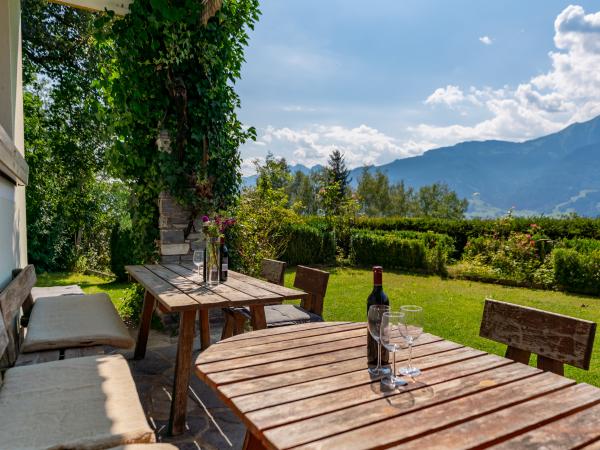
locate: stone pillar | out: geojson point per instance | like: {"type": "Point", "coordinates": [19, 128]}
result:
{"type": "Point", "coordinates": [174, 219]}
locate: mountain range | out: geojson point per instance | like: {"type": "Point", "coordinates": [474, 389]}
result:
{"type": "Point", "coordinates": [552, 175]}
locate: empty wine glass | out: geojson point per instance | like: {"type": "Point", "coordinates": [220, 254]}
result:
{"type": "Point", "coordinates": [392, 340]}
{"type": "Point", "coordinates": [198, 259]}
{"type": "Point", "coordinates": [374, 316]}
{"type": "Point", "coordinates": [411, 327]}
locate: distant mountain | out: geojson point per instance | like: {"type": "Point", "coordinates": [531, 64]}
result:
{"type": "Point", "coordinates": [551, 175]}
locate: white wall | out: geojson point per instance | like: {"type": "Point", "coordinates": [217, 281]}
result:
{"type": "Point", "coordinates": [13, 231]}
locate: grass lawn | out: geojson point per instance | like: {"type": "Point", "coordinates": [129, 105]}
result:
{"type": "Point", "coordinates": [90, 284]}
{"type": "Point", "coordinates": [453, 308]}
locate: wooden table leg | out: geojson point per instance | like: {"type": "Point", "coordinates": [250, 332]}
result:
{"type": "Point", "coordinates": [252, 443]}
{"type": "Point", "coordinates": [259, 321]}
{"type": "Point", "coordinates": [145, 320]}
{"type": "Point", "coordinates": [204, 329]}
{"type": "Point", "coordinates": [183, 364]}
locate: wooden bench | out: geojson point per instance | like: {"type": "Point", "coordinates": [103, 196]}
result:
{"type": "Point", "coordinates": [67, 399]}
{"type": "Point", "coordinates": [16, 307]}
{"type": "Point", "coordinates": [556, 339]}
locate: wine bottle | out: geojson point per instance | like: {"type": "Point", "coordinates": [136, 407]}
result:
{"type": "Point", "coordinates": [376, 297]}
{"type": "Point", "coordinates": [224, 263]}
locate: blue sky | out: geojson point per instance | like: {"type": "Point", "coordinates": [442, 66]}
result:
{"type": "Point", "coordinates": [389, 79]}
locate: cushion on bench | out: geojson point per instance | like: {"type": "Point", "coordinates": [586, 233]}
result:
{"type": "Point", "coordinates": [75, 321]}
{"type": "Point", "coordinates": [55, 291]}
{"type": "Point", "coordinates": [146, 447]}
{"type": "Point", "coordinates": [289, 315]}
{"type": "Point", "coordinates": [82, 403]}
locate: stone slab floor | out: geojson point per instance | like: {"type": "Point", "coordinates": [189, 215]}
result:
{"type": "Point", "coordinates": [211, 425]}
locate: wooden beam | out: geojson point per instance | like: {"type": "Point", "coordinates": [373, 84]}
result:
{"type": "Point", "coordinates": [120, 7]}
{"type": "Point", "coordinates": [12, 163]}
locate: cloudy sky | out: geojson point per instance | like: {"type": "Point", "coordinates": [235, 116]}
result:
{"type": "Point", "coordinates": [389, 79]}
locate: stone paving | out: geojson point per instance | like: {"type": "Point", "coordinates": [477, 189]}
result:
{"type": "Point", "coordinates": [211, 425]}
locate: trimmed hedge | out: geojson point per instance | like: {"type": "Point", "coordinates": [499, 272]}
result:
{"type": "Point", "coordinates": [401, 249]}
{"type": "Point", "coordinates": [309, 245]}
{"type": "Point", "coordinates": [577, 272]}
{"type": "Point", "coordinates": [462, 230]}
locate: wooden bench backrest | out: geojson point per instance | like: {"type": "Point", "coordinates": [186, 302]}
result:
{"type": "Point", "coordinates": [12, 298]}
{"type": "Point", "coordinates": [314, 282]}
{"type": "Point", "coordinates": [273, 271]}
{"type": "Point", "coordinates": [555, 338]}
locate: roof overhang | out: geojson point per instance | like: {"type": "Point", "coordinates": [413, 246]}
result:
{"type": "Point", "coordinates": [120, 7]}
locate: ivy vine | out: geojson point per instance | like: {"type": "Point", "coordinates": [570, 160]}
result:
{"type": "Point", "coordinates": [170, 87]}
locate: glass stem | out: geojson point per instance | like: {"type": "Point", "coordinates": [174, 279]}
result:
{"type": "Point", "coordinates": [410, 346]}
{"type": "Point", "coordinates": [379, 356]}
{"type": "Point", "coordinates": [394, 372]}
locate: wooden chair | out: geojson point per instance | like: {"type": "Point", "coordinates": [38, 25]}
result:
{"type": "Point", "coordinates": [272, 271]}
{"type": "Point", "coordinates": [314, 283]}
{"type": "Point", "coordinates": [556, 339]}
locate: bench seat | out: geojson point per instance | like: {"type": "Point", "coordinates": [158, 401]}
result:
{"type": "Point", "coordinates": [83, 403]}
{"type": "Point", "coordinates": [55, 291]}
{"type": "Point", "coordinates": [70, 321]}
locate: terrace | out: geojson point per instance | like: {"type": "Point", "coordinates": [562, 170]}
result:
{"type": "Point", "coordinates": [299, 378]}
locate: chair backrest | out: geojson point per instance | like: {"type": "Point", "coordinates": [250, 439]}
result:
{"type": "Point", "coordinates": [12, 298]}
{"type": "Point", "coordinates": [314, 282]}
{"type": "Point", "coordinates": [555, 338]}
{"type": "Point", "coordinates": [273, 271]}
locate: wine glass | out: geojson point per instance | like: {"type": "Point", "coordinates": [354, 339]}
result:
{"type": "Point", "coordinates": [411, 327]}
{"type": "Point", "coordinates": [392, 340]}
{"type": "Point", "coordinates": [198, 259]}
{"type": "Point", "coordinates": [375, 314]}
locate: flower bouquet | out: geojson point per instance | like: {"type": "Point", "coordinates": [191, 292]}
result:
{"type": "Point", "coordinates": [214, 230]}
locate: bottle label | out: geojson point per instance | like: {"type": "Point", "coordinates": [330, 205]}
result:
{"type": "Point", "coordinates": [224, 267]}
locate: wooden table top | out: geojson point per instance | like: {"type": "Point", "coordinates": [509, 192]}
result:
{"type": "Point", "coordinates": [179, 287]}
{"type": "Point", "coordinates": [306, 386]}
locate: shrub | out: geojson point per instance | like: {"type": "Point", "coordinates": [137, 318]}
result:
{"type": "Point", "coordinates": [581, 245]}
{"type": "Point", "coordinates": [121, 254]}
{"type": "Point", "coordinates": [309, 245]}
{"type": "Point", "coordinates": [577, 272]}
{"type": "Point", "coordinates": [388, 250]}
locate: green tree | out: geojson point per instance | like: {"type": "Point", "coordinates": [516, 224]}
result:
{"type": "Point", "coordinates": [437, 200]}
{"type": "Point", "coordinates": [338, 174]}
{"type": "Point", "coordinates": [274, 173]}
{"type": "Point", "coordinates": [303, 192]}
{"type": "Point", "coordinates": [71, 204]}
{"type": "Point", "coordinates": [373, 192]}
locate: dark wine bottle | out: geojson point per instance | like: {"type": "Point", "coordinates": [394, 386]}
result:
{"type": "Point", "coordinates": [204, 278]}
{"type": "Point", "coordinates": [376, 297]}
{"type": "Point", "coordinates": [224, 262]}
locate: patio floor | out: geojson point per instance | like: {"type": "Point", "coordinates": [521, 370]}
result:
{"type": "Point", "coordinates": [210, 424]}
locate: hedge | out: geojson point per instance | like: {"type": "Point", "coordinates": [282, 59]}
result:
{"type": "Point", "coordinates": [577, 272]}
{"type": "Point", "coordinates": [309, 245]}
{"type": "Point", "coordinates": [462, 230]}
{"type": "Point", "coordinates": [388, 250]}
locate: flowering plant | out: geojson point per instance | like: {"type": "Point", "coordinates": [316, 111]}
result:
{"type": "Point", "coordinates": [215, 227]}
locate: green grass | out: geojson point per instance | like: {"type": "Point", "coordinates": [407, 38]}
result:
{"type": "Point", "coordinates": [453, 308]}
{"type": "Point", "coordinates": [90, 284]}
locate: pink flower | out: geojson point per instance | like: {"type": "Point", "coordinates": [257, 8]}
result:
{"type": "Point", "coordinates": [205, 219]}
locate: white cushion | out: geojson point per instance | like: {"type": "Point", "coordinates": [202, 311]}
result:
{"type": "Point", "coordinates": [54, 291]}
{"type": "Point", "coordinates": [146, 447]}
{"type": "Point", "coordinates": [80, 403]}
{"type": "Point", "coordinates": [286, 314]}
{"type": "Point", "coordinates": [75, 321]}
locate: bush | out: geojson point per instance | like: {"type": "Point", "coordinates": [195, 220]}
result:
{"type": "Point", "coordinates": [577, 272]}
{"type": "Point", "coordinates": [309, 245]}
{"type": "Point", "coordinates": [581, 245]}
{"type": "Point", "coordinates": [388, 250]}
{"type": "Point", "coordinates": [121, 251]}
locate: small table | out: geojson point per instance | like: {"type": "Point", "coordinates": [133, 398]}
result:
{"type": "Point", "coordinates": [179, 288]}
{"type": "Point", "coordinates": [306, 386]}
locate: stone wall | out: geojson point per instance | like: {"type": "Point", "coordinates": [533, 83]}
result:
{"type": "Point", "coordinates": [175, 247]}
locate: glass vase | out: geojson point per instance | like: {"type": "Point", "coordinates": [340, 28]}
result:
{"type": "Point", "coordinates": [212, 261]}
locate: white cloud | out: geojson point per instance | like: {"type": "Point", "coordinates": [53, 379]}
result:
{"type": "Point", "coordinates": [569, 92]}
{"type": "Point", "coordinates": [486, 40]}
{"type": "Point", "coordinates": [449, 96]}
{"type": "Point", "coordinates": [362, 145]}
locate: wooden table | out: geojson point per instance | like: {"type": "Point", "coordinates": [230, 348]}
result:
{"type": "Point", "coordinates": [306, 386]}
{"type": "Point", "coordinates": [179, 288]}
